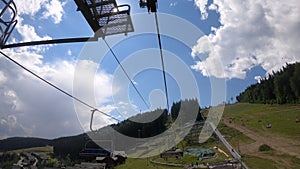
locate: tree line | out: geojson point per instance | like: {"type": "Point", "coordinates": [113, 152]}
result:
{"type": "Point", "coordinates": [278, 88]}
{"type": "Point", "coordinates": [135, 126]}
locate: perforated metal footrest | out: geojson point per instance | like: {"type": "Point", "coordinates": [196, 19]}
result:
{"type": "Point", "coordinates": [106, 16]}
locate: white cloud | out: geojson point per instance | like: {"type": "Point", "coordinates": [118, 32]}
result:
{"type": "Point", "coordinates": [10, 127]}
{"type": "Point", "coordinates": [39, 109]}
{"type": "Point", "coordinates": [125, 110]}
{"type": "Point", "coordinates": [12, 99]}
{"type": "Point", "coordinates": [258, 78]}
{"type": "Point", "coordinates": [253, 33]}
{"type": "Point", "coordinates": [108, 108]}
{"type": "Point", "coordinates": [29, 7]}
{"type": "Point", "coordinates": [55, 10]}
{"type": "Point", "coordinates": [51, 8]}
{"type": "Point", "coordinates": [202, 5]}
{"type": "Point", "coordinates": [3, 78]}
{"type": "Point", "coordinates": [28, 32]}
{"type": "Point", "coordinates": [213, 7]}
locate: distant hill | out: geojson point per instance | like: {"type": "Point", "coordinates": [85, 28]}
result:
{"type": "Point", "coordinates": [61, 146]}
{"type": "Point", "coordinates": [279, 88]}
{"type": "Point", "coordinates": [22, 142]}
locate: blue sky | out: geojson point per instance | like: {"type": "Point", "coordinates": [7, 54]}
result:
{"type": "Point", "coordinates": [239, 43]}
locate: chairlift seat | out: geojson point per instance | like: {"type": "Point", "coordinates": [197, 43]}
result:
{"type": "Point", "coordinates": [105, 17]}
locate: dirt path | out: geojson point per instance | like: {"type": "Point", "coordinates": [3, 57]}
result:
{"type": "Point", "coordinates": [281, 144]}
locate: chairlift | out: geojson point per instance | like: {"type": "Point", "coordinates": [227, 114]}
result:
{"type": "Point", "coordinates": [105, 18]}
{"type": "Point", "coordinates": [92, 149]}
{"type": "Point", "coordinates": [7, 20]}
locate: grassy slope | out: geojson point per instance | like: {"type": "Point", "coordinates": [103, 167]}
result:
{"type": "Point", "coordinates": [257, 163]}
{"type": "Point", "coordinates": [254, 117]}
{"type": "Point", "coordinates": [41, 150]}
{"type": "Point", "coordinates": [46, 149]}
{"type": "Point", "coordinates": [141, 164]}
{"type": "Point", "coordinates": [257, 116]}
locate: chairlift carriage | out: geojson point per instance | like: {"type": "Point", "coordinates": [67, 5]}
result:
{"type": "Point", "coordinates": [105, 18]}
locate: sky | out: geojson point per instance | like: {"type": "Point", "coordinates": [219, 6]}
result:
{"type": "Point", "coordinates": [236, 42]}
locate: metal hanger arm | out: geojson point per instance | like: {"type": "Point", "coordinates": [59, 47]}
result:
{"type": "Point", "coordinates": [47, 42]}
